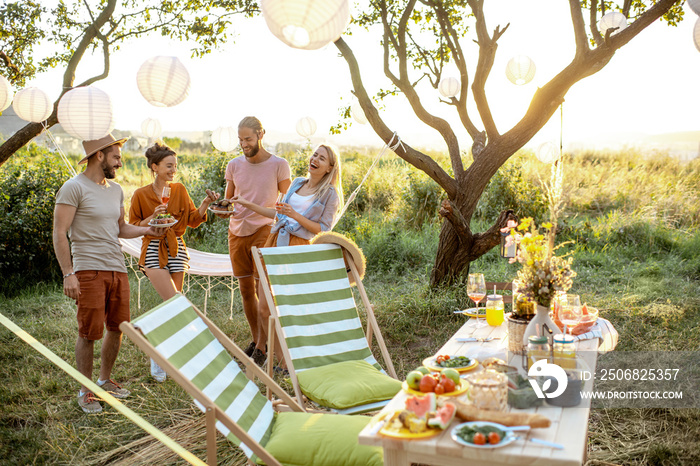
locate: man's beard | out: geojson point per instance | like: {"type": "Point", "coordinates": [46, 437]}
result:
{"type": "Point", "coordinates": [253, 152]}
{"type": "Point", "coordinates": [109, 172]}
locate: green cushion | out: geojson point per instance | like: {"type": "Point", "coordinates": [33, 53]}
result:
{"type": "Point", "coordinates": [306, 439]}
{"type": "Point", "coordinates": [347, 384]}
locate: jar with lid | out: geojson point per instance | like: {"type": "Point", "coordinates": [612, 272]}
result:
{"type": "Point", "coordinates": [494, 310]}
{"type": "Point", "coordinates": [537, 348]}
{"type": "Point", "coordinates": [564, 351]}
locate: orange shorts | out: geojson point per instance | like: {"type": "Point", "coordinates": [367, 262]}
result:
{"type": "Point", "coordinates": [239, 251]}
{"type": "Point", "coordinates": [103, 302]}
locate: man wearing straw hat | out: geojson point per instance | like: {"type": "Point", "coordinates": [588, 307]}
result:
{"type": "Point", "coordinates": [90, 210]}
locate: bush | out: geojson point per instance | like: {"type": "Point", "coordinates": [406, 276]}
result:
{"type": "Point", "coordinates": [421, 200]}
{"type": "Point", "coordinates": [27, 198]}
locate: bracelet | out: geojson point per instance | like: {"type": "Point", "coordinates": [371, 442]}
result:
{"type": "Point", "coordinates": [68, 274]}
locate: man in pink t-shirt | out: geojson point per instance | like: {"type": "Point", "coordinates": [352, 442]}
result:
{"type": "Point", "coordinates": [257, 177]}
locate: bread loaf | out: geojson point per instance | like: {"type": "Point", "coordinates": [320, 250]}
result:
{"type": "Point", "coordinates": [468, 412]}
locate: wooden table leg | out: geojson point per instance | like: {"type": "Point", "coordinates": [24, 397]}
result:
{"type": "Point", "coordinates": [395, 457]}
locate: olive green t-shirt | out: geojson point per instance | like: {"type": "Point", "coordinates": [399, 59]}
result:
{"type": "Point", "coordinates": [94, 233]}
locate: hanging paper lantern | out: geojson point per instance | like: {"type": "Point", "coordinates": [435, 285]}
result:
{"type": "Point", "coordinates": [306, 24]}
{"type": "Point", "coordinates": [151, 128]}
{"type": "Point", "coordinates": [449, 87]}
{"type": "Point", "coordinates": [694, 5]}
{"type": "Point", "coordinates": [696, 34]}
{"type": "Point", "coordinates": [520, 70]}
{"type": "Point", "coordinates": [5, 93]}
{"type": "Point", "coordinates": [614, 19]}
{"type": "Point", "coordinates": [86, 113]}
{"type": "Point", "coordinates": [163, 81]}
{"type": "Point", "coordinates": [32, 104]}
{"type": "Point", "coordinates": [547, 152]}
{"type": "Point", "coordinates": [358, 114]}
{"type": "Point", "coordinates": [225, 138]}
{"type": "Point", "coordinates": [306, 127]}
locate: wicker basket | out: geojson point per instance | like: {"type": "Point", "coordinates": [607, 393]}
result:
{"type": "Point", "coordinates": [516, 329]}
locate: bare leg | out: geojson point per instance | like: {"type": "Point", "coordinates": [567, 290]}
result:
{"type": "Point", "coordinates": [84, 354]}
{"type": "Point", "coordinates": [250, 308]}
{"type": "Point", "coordinates": [110, 349]}
{"type": "Point", "coordinates": [162, 282]}
{"type": "Point", "coordinates": [178, 279]}
{"type": "Point", "coordinates": [264, 323]}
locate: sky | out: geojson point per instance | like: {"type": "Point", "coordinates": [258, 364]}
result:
{"type": "Point", "coordinates": [649, 87]}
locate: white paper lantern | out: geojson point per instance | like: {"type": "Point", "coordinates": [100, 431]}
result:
{"type": "Point", "coordinates": [163, 81]}
{"type": "Point", "coordinates": [696, 34]}
{"type": "Point", "coordinates": [449, 87]}
{"type": "Point", "coordinates": [358, 114]}
{"type": "Point", "coordinates": [32, 104]}
{"type": "Point", "coordinates": [694, 5]}
{"type": "Point", "coordinates": [86, 113]}
{"type": "Point", "coordinates": [613, 19]}
{"type": "Point", "coordinates": [306, 127]}
{"type": "Point", "coordinates": [520, 70]}
{"type": "Point", "coordinates": [151, 127]}
{"type": "Point", "coordinates": [547, 152]}
{"type": "Point", "coordinates": [225, 138]}
{"type": "Point", "coordinates": [306, 24]}
{"type": "Point", "coordinates": [5, 93]}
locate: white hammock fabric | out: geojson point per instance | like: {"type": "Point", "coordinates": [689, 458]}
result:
{"type": "Point", "coordinates": [206, 270]}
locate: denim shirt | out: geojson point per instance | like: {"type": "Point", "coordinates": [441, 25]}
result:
{"type": "Point", "coordinates": [322, 211]}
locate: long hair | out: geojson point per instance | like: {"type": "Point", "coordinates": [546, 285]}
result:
{"type": "Point", "coordinates": [253, 123]}
{"type": "Point", "coordinates": [156, 153]}
{"type": "Point", "coordinates": [332, 178]}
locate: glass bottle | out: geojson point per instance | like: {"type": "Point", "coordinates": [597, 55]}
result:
{"type": "Point", "coordinates": [537, 348]}
{"type": "Point", "coordinates": [494, 310]}
{"type": "Point", "coordinates": [564, 351]}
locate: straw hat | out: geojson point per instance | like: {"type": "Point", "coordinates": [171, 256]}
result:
{"type": "Point", "coordinates": [98, 144]}
{"type": "Point", "coordinates": [329, 237]}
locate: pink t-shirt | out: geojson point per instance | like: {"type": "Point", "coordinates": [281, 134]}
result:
{"type": "Point", "coordinates": [256, 182]}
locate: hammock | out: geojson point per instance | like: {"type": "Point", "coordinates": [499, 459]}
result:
{"type": "Point", "coordinates": [206, 270]}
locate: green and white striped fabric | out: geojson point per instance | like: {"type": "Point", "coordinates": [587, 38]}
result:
{"type": "Point", "coordinates": [180, 335]}
{"type": "Point", "coordinates": [317, 310]}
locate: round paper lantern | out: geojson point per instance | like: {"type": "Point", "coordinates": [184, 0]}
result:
{"type": "Point", "coordinates": [163, 81]}
{"type": "Point", "coordinates": [306, 24]}
{"type": "Point", "coordinates": [694, 5]}
{"type": "Point", "coordinates": [225, 138]}
{"type": "Point", "coordinates": [5, 93]}
{"type": "Point", "coordinates": [547, 152]}
{"type": "Point", "coordinates": [520, 70]}
{"type": "Point", "coordinates": [449, 87]}
{"type": "Point", "coordinates": [32, 104]}
{"type": "Point", "coordinates": [86, 113]}
{"type": "Point", "coordinates": [696, 34]}
{"type": "Point", "coordinates": [306, 127]}
{"type": "Point", "coordinates": [151, 127]}
{"type": "Point", "coordinates": [614, 19]}
{"type": "Point", "coordinates": [358, 114]}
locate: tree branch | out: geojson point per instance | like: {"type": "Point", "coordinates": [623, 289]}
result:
{"type": "Point", "coordinates": [484, 242]}
{"type": "Point", "coordinates": [450, 212]}
{"type": "Point", "coordinates": [579, 27]}
{"type": "Point", "coordinates": [593, 23]}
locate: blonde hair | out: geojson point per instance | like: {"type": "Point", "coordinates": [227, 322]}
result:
{"type": "Point", "coordinates": [332, 178]}
{"type": "Point", "coordinates": [253, 123]}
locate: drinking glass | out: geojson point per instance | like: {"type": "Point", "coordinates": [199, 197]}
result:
{"type": "Point", "coordinates": [165, 195]}
{"type": "Point", "coordinates": [280, 198]}
{"type": "Point", "coordinates": [476, 290]}
{"type": "Point", "coordinates": [571, 312]}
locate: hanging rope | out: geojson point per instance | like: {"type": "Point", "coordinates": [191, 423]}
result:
{"type": "Point", "coordinates": [58, 148]}
{"type": "Point", "coordinates": [352, 197]}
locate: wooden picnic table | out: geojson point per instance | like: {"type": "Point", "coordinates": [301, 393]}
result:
{"type": "Point", "coordinates": [569, 425]}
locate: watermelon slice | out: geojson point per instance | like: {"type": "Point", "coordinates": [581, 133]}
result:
{"type": "Point", "coordinates": [421, 405]}
{"type": "Point", "coordinates": [443, 416]}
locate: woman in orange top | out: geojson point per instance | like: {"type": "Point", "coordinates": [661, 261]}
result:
{"type": "Point", "coordinates": [164, 259]}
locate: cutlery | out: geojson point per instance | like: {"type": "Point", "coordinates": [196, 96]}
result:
{"type": "Point", "coordinates": [477, 339]}
{"type": "Point", "coordinates": [557, 446]}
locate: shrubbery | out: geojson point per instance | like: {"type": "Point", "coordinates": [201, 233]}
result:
{"type": "Point", "coordinates": [27, 198]}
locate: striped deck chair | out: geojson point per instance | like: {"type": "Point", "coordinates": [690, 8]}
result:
{"type": "Point", "coordinates": [314, 314]}
{"type": "Point", "coordinates": [197, 355]}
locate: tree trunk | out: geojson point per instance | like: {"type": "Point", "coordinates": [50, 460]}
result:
{"type": "Point", "coordinates": [23, 136]}
{"type": "Point", "coordinates": [452, 259]}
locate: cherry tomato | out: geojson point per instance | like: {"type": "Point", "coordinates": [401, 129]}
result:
{"type": "Point", "coordinates": [479, 439]}
{"type": "Point", "coordinates": [494, 438]}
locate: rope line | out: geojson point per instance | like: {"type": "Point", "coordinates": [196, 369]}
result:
{"type": "Point", "coordinates": [58, 148]}
{"type": "Point", "coordinates": [97, 390]}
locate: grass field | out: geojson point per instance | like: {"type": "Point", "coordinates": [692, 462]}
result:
{"type": "Point", "coordinates": [634, 220]}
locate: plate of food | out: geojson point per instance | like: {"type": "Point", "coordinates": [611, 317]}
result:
{"type": "Point", "coordinates": [442, 361]}
{"type": "Point", "coordinates": [459, 389]}
{"type": "Point", "coordinates": [163, 221]}
{"type": "Point", "coordinates": [472, 312]}
{"type": "Point", "coordinates": [482, 434]}
{"type": "Point", "coordinates": [406, 425]}
{"type": "Point", "coordinates": [222, 207]}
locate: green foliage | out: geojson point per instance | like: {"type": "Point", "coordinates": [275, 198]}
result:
{"type": "Point", "coordinates": [421, 200]}
{"type": "Point", "coordinates": [27, 198]}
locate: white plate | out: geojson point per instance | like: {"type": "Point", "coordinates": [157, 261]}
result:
{"type": "Point", "coordinates": [162, 225]}
{"type": "Point", "coordinates": [509, 436]}
{"type": "Point", "coordinates": [222, 212]}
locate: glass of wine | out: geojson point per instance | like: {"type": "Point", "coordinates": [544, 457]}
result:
{"type": "Point", "coordinates": [476, 290]}
{"type": "Point", "coordinates": [571, 312]}
{"type": "Point", "coordinates": [165, 195]}
{"type": "Point", "coordinates": [280, 198]}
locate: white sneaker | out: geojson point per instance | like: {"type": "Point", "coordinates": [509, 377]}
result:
{"type": "Point", "coordinates": [157, 372]}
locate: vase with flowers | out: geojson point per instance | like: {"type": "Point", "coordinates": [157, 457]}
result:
{"type": "Point", "coordinates": [542, 274]}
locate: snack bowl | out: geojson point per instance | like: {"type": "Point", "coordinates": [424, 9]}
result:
{"type": "Point", "coordinates": [587, 321]}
